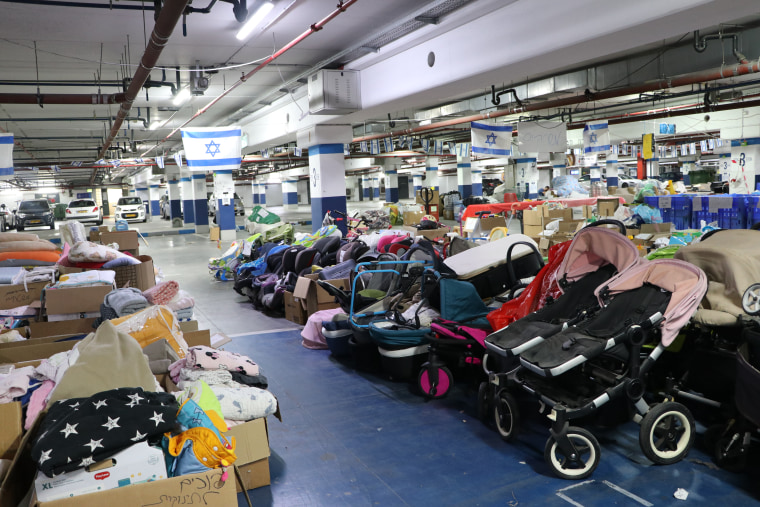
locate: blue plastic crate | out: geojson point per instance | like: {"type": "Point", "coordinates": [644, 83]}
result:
{"type": "Point", "coordinates": [728, 210]}
{"type": "Point", "coordinates": [753, 211]}
{"type": "Point", "coordinates": [732, 219]}
{"type": "Point", "coordinates": [675, 209]}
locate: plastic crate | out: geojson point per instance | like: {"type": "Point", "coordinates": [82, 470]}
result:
{"type": "Point", "coordinates": [732, 218]}
{"type": "Point", "coordinates": [753, 210]}
{"type": "Point", "coordinates": [676, 209]}
{"type": "Point", "coordinates": [728, 210]}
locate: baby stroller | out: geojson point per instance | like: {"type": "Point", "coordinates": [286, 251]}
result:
{"type": "Point", "coordinates": [599, 360]}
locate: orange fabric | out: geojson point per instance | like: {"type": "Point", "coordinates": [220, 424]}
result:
{"type": "Point", "coordinates": [147, 329]}
{"type": "Point", "coordinates": [34, 255]}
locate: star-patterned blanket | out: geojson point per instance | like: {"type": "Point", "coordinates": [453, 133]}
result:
{"type": "Point", "coordinates": [82, 431]}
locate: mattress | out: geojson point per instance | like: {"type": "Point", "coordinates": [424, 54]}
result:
{"type": "Point", "coordinates": [478, 260]}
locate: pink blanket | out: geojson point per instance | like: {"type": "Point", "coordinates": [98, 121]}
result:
{"type": "Point", "coordinates": [206, 358]}
{"type": "Point", "coordinates": [162, 292]}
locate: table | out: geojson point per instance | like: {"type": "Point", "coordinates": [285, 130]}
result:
{"type": "Point", "coordinates": [472, 209]}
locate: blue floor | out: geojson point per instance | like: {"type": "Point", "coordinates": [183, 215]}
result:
{"type": "Point", "coordinates": [355, 439]}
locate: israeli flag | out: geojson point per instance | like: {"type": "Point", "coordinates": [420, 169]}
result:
{"type": "Point", "coordinates": [374, 147]}
{"type": "Point", "coordinates": [425, 144]}
{"type": "Point", "coordinates": [491, 139]}
{"type": "Point", "coordinates": [116, 163]}
{"type": "Point", "coordinates": [76, 163]}
{"type": "Point", "coordinates": [297, 151]}
{"type": "Point", "coordinates": [264, 153]}
{"type": "Point", "coordinates": [463, 150]}
{"type": "Point", "coordinates": [410, 139]}
{"type": "Point", "coordinates": [703, 145]}
{"type": "Point", "coordinates": [711, 143]}
{"type": "Point", "coordinates": [100, 162]}
{"type": "Point", "coordinates": [178, 158]}
{"type": "Point", "coordinates": [35, 169]}
{"type": "Point", "coordinates": [388, 142]}
{"type": "Point", "coordinates": [212, 148]}
{"type": "Point", "coordinates": [452, 147]}
{"type": "Point", "coordinates": [160, 162]}
{"type": "Point", "coordinates": [6, 155]}
{"type": "Point", "coordinates": [615, 149]}
{"type": "Point", "coordinates": [438, 148]}
{"type": "Point", "coordinates": [139, 161]}
{"type": "Point", "coordinates": [56, 168]}
{"type": "Point", "coordinates": [363, 147]}
{"type": "Point", "coordinates": [596, 137]}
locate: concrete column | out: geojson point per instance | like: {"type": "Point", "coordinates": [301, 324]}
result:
{"type": "Point", "coordinates": [526, 177]}
{"type": "Point", "coordinates": [224, 189]}
{"type": "Point", "coordinates": [464, 176]}
{"type": "Point", "coordinates": [595, 173]}
{"type": "Point", "coordinates": [263, 193]}
{"type": "Point", "coordinates": [188, 206]}
{"type": "Point", "coordinates": [391, 180]}
{"type": "Point", "coordinates": [612, 172]}
{"type": "Point", "coordinates": [653, 167]}
{"type": "Point", "coordinates": [290, 193]}
{"type": "Point", "coordinates": [175, 202]}
{"type": "Point", "coordinates": [200, 202]}
{"type": "Point", "coordinates": [328, 182]}
{"type": "Point", "coordinates": [367, 188]}
{"type": "Point", "coordinates": [744, 169]}
{"type": "Point", "coordinates": [376, 187]}
{"type": "Point", "coordinates": [255, 193]}
{"type": "Point", "coordinates": [155, 196]}
{"type": "Point", "coordinates": [417, 179]}
{"type": "Point", "coordinates": [558, 170]}
{"type": "Point", "coordinates": [724, 166]}
{"type": "Point", "coordinates": [477, 182]}
{"type": "Point", "coordinates": [431, 173]}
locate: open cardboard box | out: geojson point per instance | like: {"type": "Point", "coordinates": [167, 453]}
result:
{"type": "Point", "coordinates": [430, 234]}
{"type": "Point", "coordinates": [13, 296]}
{"type": "Point", "coordinates": [75, 299]}
{"type": "Point", "coordinates": [413, 217]}
{"type": "Point", "coordinates": [64, 327]}
{"type": "Point", "coordinates": [127, 240]}
{"type": "Point", "coordinates": [294, 312]}
{"type": "Point", "coordinates": [477, 227]}
{"type": "Point", "coordinates": [313, 297]}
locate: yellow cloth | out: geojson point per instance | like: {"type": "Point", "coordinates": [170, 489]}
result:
{"type": "Point", "coordinates": [152, 324]}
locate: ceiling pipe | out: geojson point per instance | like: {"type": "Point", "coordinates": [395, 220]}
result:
{"type": "Point", "coordinates": [342, 6]}
{"type": "Point", "coordinates": [159, 37]}
{"type": "Point", "coordinates": [65, 98]}
{"type": "Point", "coordinates": [660, 84]}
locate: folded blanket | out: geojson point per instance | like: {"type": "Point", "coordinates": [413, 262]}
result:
{"type": "Point", "coordinates": [28, 246]}
{"type": "Point", "coordinates": [39, 274]}
{"type": "Point", "coordinates": [259, 381]}
{"type": "Point", "coordinates": [206, 358]}
{"type": "Point", "coordinates": [185, 314]}
{"type": "Point", "coordinates": [86, 251]}
{"type": "Point", "coordinates": [86, 279]}
{"type": "Point", "coordinates": [162, 293]}
{"type": "Point", "coordinates": [126, 301]}
{"type": "Point", "coordinates": [245, 403]}
{"type": "Point", "coordinates": [211, 377]}
{"type": "Point", "coordinates": [10, 276]}
{"type": "Point", "coordinates": [17, 236]}
{"type": "Point", "coordinates": [181, 301]}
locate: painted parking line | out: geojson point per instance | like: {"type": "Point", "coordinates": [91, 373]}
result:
{"type": "Point", "coordinates": [561, 493]}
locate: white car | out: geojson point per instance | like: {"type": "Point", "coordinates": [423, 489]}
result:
{"type": "Point", "coordinates": [84, 210]}
{"type": "Point", "coordinates": [625, 181]}
{"type": "Point", "coordinates": [131, 209]}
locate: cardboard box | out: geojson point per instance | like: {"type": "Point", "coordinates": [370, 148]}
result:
{"type": "Point", "coordinates": [196, 338]}
{"type": "Point", "coordinates": [533, 217]}
{"type": "Point", "coordinates": [436, 198]}
{"type": "Point", "coordinates": [413, 217]}
{"type": "Point", "coordinates": [294, 312]}
{"type": "Point", "coordinates": [11, 429]}
{"type": "Point", "coordinates": [75, 299]}
{"type": "Point", "coordinates": [188, 325]}
{"type": "Point", "coordinates": [252, 450]}
{"type": "Point", "coordinates": [430, 234]}
{"type": "Point", "coordinates": [96, 231]}
{"type": "Point", "coordinates": [607, 207]}
{"type": "Point", "coordinates": [477, 227]}
{"type": "Point", "coordinates": [31, 350]}
{"type": "Point", "coordinates": [13, 296]}
{"type": "Point", "coordinates": [66, 327]}
{"type": "Point", "coordinates": [254, 475]}
{"type": "Point", "coordinates": [215, 233]}
{"type": "Point", "coordinates": [137, 464]}
{"type": "Point", "coordinates": [313, 297]}
{"type": "Point", "coordinates": [127, 240]}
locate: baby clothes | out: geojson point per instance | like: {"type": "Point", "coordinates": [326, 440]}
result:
{"type": "Point", "coordinates": [206, 358]}
{"type": "Point", "coordinates": [245, 403]}
{"type": "Point", "coordinates": [211, 377]}
{"type": "Point", "coordinates": [15, 384]}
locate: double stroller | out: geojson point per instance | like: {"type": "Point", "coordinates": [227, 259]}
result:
{"type": "Point", "coordinates": [596, 344]}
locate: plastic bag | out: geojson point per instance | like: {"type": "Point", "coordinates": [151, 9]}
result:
{"type": "Point", "coordinates": [648, 214]}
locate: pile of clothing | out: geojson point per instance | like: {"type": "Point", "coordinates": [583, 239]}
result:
{"type": "Point", "coordinates": [233, 379]}
{"type": "Point", "coordinates": [22, 249]}
{"type": "Point", "coordinates": [91, 278]}
{"type": "Point", "coordinates": [168, 293]}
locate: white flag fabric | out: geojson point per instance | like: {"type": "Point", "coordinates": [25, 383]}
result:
{"type": "Point", "coordinates": [56, 168]}
{"type": "Point", "coordinates": [388, 144]}
{"type": "Point", "coordinates": [463, 150]}
{"type": "Point", "coordinates": [160, 162]}
{"type": "Point", "coordinates": [297, 151]}
{"type": "Point", "coordinates": [6, 154]}
{"type": "Point", "coordinates": [178, 159]}
{"type": "Point", "coordinates": [212, 148]}
{"type": "Point", "coordinates": [425, 144]}
{"type": "Point", "coordinates": [596, 137]}
{"type": "Point", "coordinates": [363, 147]}
{"type": "Point", "coordinates": [264, 153]}
{"type": "Point", "coordinates": [374, 146]}
{"type": "Point", "coordinates": [491, 139]}
{"type": "Point", "coordinates": [76, 163]}
{"type": "Point", "coordinates": [116, 162]}
{"type": "Point", "coordinates": [102, 161]}
{"type": "Point", "coordinates": [347, 149]}
{"type": "Point", "coordinates": [438, 148]}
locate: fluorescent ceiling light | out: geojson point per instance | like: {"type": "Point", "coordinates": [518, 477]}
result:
{"type": "Point", "coordinates": [155, 124]}
{"type": "Point", "coordinates": [254, 20]}
{"type": "Point", "coordinates": [182, 97]}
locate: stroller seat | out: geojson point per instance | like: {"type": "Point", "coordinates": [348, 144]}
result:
{"type": "Point", "coordinates": [594, 257]}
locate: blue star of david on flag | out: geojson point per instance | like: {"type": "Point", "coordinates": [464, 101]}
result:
{"type": "Point", "coordinates": [596, 137]}
{"type": "Point", "coordinates": [489, 139]}
{"type": "Point", "coordinates": [212, 148]}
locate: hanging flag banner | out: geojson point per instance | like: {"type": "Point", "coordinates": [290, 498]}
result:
{"type": "Point", "coordinates": [596, 137]}
{"type": "Point", "coordinates": [542, 136]}
{"type": "Point", "coordinates": [703, 145]}
{"type": "Point", "coordinates": [6, 155]}
{"type": "Point", "coordinates": [139, 161]}
{"type": "Point", "coordinates": [425, 145]}
{"type": "Point", "coordinates": [56, 168]}
{"type": "Point", "coordinates": [264, 153]}
{"type": "Point", "coordinates": [374, 146]}
{"type": "Point", "coordinates": [347, 149]}
{"type": "Point", "coordinates": [388, 142]}
{"type": "Point", "coordinates": [462, 150]}
{"type": "Point", "coordinates": [438, 148]}
{"type": "Point", "coordinates": [102, 161]}
{"type": "Point", "coordinates": [363, 147]}
{"type": "Point", "coordinates": [711, 144]}
{"type": "Point", "coordinates": [491, 139]}
{"type": "Point", "coordinates": [648, 146]}
{"type": "Point", "coordinates": [160, 162]}
{"type": "Point", "coordinates": [35, 169]}
{"type": "Point", "coordinates": [76, 163]}
{"type": "Point", "coordinates": [297, 151]}
{"type": "Point", "coordinates": [116, 163]}
{"type": "Point", "coordinates": [212, 148]}
{"type": "Point", "coordinates": [178, 159]}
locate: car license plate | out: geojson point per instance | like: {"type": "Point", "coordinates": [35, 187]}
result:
{"type": "Point", "coordinates": [82, 211]}
{"type": "Point", "coordinates": [35, 221]}
{"type": "Point", "coordinates": [130, 215]}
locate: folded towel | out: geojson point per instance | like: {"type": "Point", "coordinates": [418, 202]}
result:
{"type": "Point", "coordinates": [185, 314]}
{"type": "Point", "coordinates": [181, 301]}
{"type": "Point", "coordinates": [86, 279]}
{"type": "Point", "coordinates": [211, 377]}
{"type": "Point", "coordinates": [162, 293]}
{"type": "Point", "coordinates": [126, 301]}
{"type": "Point", "coordinates": [9, 276]}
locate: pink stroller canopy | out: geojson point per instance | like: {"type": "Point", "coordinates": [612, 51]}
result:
{"type": "Point", "coordinates": [686, 283]}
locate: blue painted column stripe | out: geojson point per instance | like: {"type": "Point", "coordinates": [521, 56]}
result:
{"type": "Point", "coordinates": [188, 210]}
{"type": "Point", "coordinates": [201, 212]}
{"type": "Point", "coordinates": [290, 197]}
{"type": "Point", "coordinates": [465, 190]}
{"type": "Point", "coordinates": [477, 189]}
{"type": "Point", "coordinates": [321, 205]}
{"type": "Point", "coordinates": [225, 216]}
{"type": "Point", "coordinates": [199, 176]}
{"type": "Point", "coordinates": [155, 208]}
{"type": "Point", "coordinates": [175, 208]}
{"type": "Point", "coordinates": [325, 149]}
{"type": "Point", "coordinates": [391, 194]}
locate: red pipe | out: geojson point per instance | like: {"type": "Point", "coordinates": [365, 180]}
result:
{"type": "Point", "coordinates": [170, 14]}
{"type": "Point", "coordinates": [65, 98]}
{"type": "Point", "coordinates": [661, 84]}
{"type": "Point", "coordinates": [342, 6]}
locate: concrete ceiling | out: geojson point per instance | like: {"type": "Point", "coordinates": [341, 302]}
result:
{"type": "Point", "coordinates": [477, 43]}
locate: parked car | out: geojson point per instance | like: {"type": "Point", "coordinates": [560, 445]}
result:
{"type": "Point", "coordinates": [624, 182]}
{"type": "Point", "coordinates": [84, 210]}
{"type": "Point", "coordinates": [671, 175]}
{"type": "Point", "coordinates": [8, 218]}
{"type": "Point", "coordinates": [237, 202]}
{"type": "Point", "coordinates": [34, 213]}
{"type": "Point", "coordinates": [130, 209]}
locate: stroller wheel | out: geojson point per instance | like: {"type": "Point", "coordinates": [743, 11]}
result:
{"type": "Point", "coordinates": [579, 464]}
{"type": "Point", "coordinates": [484, 397]}
{"type": "Point", "coordinates": [435, 381]}
{"type": "Point", "coordinates": [728, 444]}
{"type": "Point", "coordinates": [751, 299]}
{"type": "Point", "coordinates": [506, 415]}
{"type": "Point", "coordinates": [666, 433]}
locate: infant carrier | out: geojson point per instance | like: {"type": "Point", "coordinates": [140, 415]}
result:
{"type": "Point", "coordinates": [599, 360]}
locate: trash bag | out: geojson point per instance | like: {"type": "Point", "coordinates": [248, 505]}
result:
{"type": "Point", "coordinates": [260, 215]}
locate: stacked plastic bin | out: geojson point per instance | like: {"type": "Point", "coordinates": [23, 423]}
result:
{"type": "Point", "coordinates": [729, 211]}
{"type": "Point", "coordinates": [676, 209]}
{"type": "Point", "coordinates": [753, 211]}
